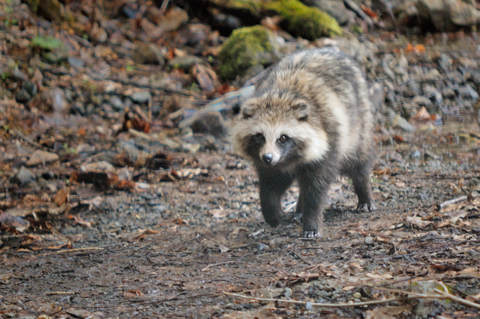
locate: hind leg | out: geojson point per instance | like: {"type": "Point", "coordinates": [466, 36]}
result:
{"type": "Point", "coordinates": [360, 175]}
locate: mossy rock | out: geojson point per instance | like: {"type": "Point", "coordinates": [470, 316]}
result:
{"type": "Point", "coordinates": [244, 49]}
{"type": "Point", "coordinates": [306, 22]}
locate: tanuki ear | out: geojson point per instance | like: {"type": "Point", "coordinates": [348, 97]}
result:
{"type": "Point", "coordinates": [248, 110]}
{"type": "Point", "coordinates": [302, 111]}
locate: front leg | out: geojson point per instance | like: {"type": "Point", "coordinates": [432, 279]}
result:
{"type": "Point", "coordinates": [314, 184]}
{"type": "Point", "coordinates": [272, 187]}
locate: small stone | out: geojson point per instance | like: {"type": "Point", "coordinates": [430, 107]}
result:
{"type": "Point", "coordinates": [184, 62]}
{"type": "Point", "coordinates": [448, 93]}
{"type": "Point", "coordinates": [369, 240]}
{"type": "Point", "coordinates": [141, 97]}
{"type": "Point", "coordinates": [209, 123]}
{"type": "Point", "coordinates": [30, 87]}
{"type": "Point", "coordinates": [467, 92]}
{"type": "Point", "coordinates": [433, 94]}
{"type": "Point", "coordinates": [41, 157]}
{"type": "Point", "coordinates": [287, 293]}
{"type": "Point", "coordinates": [402, 123]}
{"type": "Point", "coordinates": [415, 154]}
{"type": "Point", "coordinates": [433, 75]}
{"type": "Point", "coordinates": [422, 101]}
{"type": "Point", "coordinates": [117, 103]}
{"type": "Point", "coordinates": [22, 96]}
{"type": "Point", "coordinates": [24, 176]}
{"type": "Point", "coordinates": [76, 62]}
{"type": "Point", "coordinates": [308, 306]}
{"type": "Point", "coordinates": [357, 295]}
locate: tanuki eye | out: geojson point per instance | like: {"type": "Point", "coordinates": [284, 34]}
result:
{"type": "Point", "coordinates": [283, 138]}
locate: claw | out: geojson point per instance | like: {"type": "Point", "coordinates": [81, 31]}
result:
{"type": "Point", "coordinates": [364, 207]}
{"type": "Point", "coordinates": [311, 234]}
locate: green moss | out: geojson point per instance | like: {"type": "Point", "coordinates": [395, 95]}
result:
{"type": "Point", "coordinates": [46, 43]}
{"type": "Point", "coordinates": [309, 23]}
{"type": "Point", "coordinates": [245, 48]}
{"type": "Point", "coordinates": [253, 6]}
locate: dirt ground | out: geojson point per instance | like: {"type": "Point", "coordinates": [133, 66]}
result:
{"type": "Point", "coordinates": [177, 251]}
{"type": "Point", "coordinates": [166, 225]}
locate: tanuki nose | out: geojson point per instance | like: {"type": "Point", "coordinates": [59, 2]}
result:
{"type": "Point", "coordinates": [267, 158]}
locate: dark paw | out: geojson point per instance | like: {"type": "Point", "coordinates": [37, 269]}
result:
{"type": "Point", "coordinates": [365, 207]}
{"type": "Point", "coordinates": [273, 222]}
{"type": "Point", "coordinates": [311, 234]}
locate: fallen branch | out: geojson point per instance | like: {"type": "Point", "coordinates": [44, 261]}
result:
{"type": "Point", "coordinates": [74, 250]}
{"type": "Point", "coordinates": [448, 295]}
{"type": "Point", "coordinates": [451, 201]}
{"type": "Point", "coordinates": [441, 294]}
{"type": "Point", "coordinates": [316, 304]}
{"type": "Point", "coordinates": [218, 264]}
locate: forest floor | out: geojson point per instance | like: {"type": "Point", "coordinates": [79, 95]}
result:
{"type": "Point", "coordinates": [119, 239]}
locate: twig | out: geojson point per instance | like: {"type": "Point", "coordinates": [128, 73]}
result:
{"type": "Point", "coordinates": [218, 264]}
{"type": "Point", "coordinates": [452, 201]}
{"type": "Point", "coordinates": [441, 294]}
{"type": "Point", "coordinates": [144, 86]}
{"type": "Point", "coordinates": [316, 304]}
{"type": "Point", "coordinates": [448, 295]}
{"type": "Point", "coordinates": [28, 140]}
{"type": "Point", "coordinates": [291, 252]}
{"type": "Point", "coordinates": [74, 250]}
{"type": "Point", "coordinates": [60, 293]}
{"type": "Point", "coordinates": [164, 6]}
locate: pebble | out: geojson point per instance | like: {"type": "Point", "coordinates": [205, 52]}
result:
{"type": "Point", "coordinates": [432, 75]}
{"type": "Point", "coordinates": [41, 157]}
{"type": "Point", "coordinates": [369, 240]}
{"type": "Point", "coordinates": [117, 103]}
{"type": "Point", "coordinates": [402, 123]}
{"type": "Point", "coordinates": [141, 97]}
{"type": "Point", "coordinates": [287, 293]}
{"type": "Point", "coordinates": [422, 101]}
{"type": "Point", "coordinates": [24, 176]}
{"type": "Point", "coordinates": [467, 92]}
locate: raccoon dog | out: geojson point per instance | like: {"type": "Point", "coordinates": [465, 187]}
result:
{"type": "Point", "coordinates": [309, 120]}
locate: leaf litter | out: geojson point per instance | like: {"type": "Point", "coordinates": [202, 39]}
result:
{"type": "Point", "coordinates": [110, 207]}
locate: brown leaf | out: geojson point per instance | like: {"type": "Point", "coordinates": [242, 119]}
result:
{"type": "Point", "coordinates": [206, 78]}
{"type": "Point", "coordinates": [61, 197]}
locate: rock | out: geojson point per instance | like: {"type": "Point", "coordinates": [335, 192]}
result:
{"type": "Point", "coordinates": [101, 166]}
{"type": "Point", "coordinates": [422, 101]}
{"type": "Point", "coordinates": [76, 62]}
{"type": "Point", "coordinates": [334, 8]}
{"type": "Point", "coordinates": [22, 96]}
{"type": "Point", "coordinates": [41, 157]}
{"type": "Point", "coordinates": [30, 87]}
{"type": "Point", "coordinates": [467, 92]}
{"type": "Point", "coordinates": [24, 176]}
{"type": "Point", "coordinates": [246, 48]}
{"type": "Point", "coordinates": [448, 93]}
{"type": "Point", "coordinates": [448, 15]}
{"type": "Point", "coordinates": [59, 103]}
{"type": "Point", "coordinates": [432, 75]}
{"type": "Point", "coordinates": [172, 19]}
{"type": "Point", "coordinates": [306, 22]}
{"type": "Point", "coordinates": [117, 103]}
{"type": "Point", "coordinates": [208, 123]}
{"type": "Point", "coordinates": [148, 53]}
{"type": "Point", "coordinates": [184, 62]}
{"type": "Point", "coordinates": [433, 94]}
{"type": "Point", "coordinates": [206, 78]}
{"type": "Point", "coordinates": [400, 122]}
{"type": "Point", "coordinates": [141, 97]}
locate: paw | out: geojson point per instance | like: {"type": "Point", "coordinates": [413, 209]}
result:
{"type": "Point", "coordinates": [365, 207]}
{"type": "Point", "coordinates": [273, 222]}
{"type": "Point", "coordinates": [311, 234]}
